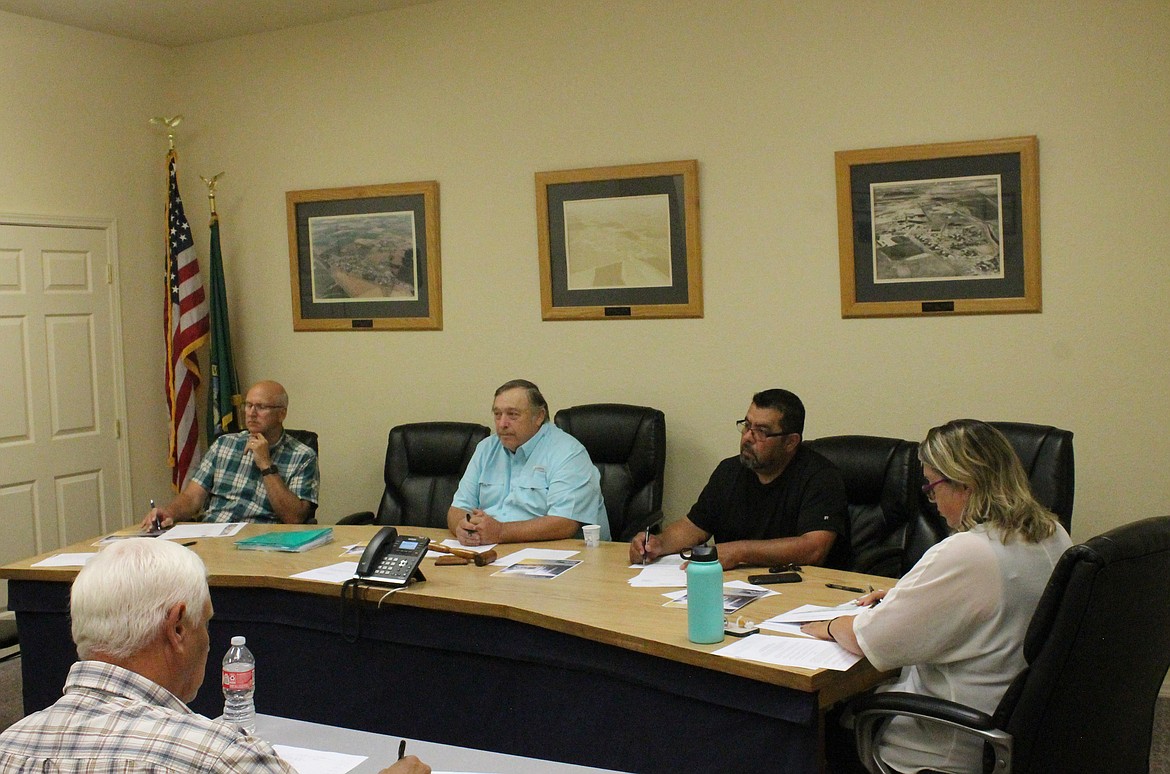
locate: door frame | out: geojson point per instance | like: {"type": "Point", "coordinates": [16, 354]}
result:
{"type": "Point", "coordinates": [114, 288]}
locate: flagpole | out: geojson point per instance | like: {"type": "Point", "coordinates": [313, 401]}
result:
{"type": "Point", "coordinates": [170, 124]}
{"type": "Point", "coordinates": [185, 323]}
{"type": "Point", "coordinates": [224, 401]}
{"type": "Point", "coordinates": [211, 183]}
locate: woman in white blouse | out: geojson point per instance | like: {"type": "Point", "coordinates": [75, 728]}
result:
{"type": "Point", "coordinates": [955, 623]}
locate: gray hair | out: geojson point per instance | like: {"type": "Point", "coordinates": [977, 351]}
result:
{"type": "Point", "coordinates": [535, 399]}
{"type": "Point", "coordinates": [121, 597]}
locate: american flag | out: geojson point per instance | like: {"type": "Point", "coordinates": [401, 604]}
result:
{"type": "Point", "coordinates": [186, 325]}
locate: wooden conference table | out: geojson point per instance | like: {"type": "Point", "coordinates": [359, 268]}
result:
{"type": "Point", "coordinates": [582, 668]}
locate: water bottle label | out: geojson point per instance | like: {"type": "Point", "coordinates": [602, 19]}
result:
{"type": "Point", "coordinates": [239, 681]}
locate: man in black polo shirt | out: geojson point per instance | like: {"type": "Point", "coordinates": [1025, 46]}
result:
{"type": "Point", "coordinates": [776, 503]}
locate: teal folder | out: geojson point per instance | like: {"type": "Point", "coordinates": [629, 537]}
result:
{"type": "Point", "coordinates": [301, 540]}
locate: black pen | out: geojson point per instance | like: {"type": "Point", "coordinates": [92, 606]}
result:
{"type": "Point", "coordinates": [401, 749]}
{"type": "Point", "coordinates": [645, 542]}
{"type": "Point", "coordinates": [157, 523]}
{"type": "Point", "coordinates": [839, 587]}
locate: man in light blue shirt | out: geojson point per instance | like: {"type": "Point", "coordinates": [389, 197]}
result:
{"type": "Point", "coordinates": [530, 481]}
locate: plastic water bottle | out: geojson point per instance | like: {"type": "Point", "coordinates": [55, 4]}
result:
{"type": "Point", "coordinates": [704, 595]}
{"type": "Point", "coordinates": [239, 685]}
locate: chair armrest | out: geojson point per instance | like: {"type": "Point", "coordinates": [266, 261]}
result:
{"type": "Point", "coordinates": [364, 517]}
{"type": "Point", "coordinates": [871, 710]}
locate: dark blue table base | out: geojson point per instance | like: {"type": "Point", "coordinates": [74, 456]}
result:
{"type": "Point", "coordinates": [468, 680]}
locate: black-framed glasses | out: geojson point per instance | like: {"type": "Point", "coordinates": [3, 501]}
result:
{"type": "Point", "coordinates": [757, 433]}
{"type": "Point", "coordinates": [928, 489]}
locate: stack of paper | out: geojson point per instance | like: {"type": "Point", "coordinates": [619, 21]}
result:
{"type": "Point", "coordinates": [806, 613]}
{"type": "Point", "coordinates": [524, 554]}
{"type": "Point", "coordinates": [736, 594]}
{"type": "Point", "coordinates": [663, 572]}
{"type": "Point", "coordinates": [789, 651]}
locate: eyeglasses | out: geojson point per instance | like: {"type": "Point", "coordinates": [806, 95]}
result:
{"type": "Point", "coordinates": [261, 407]}
{"type": "Point", "coordinates": [928, 489]}
{"type": "Point", "coordinates": [757, 433]}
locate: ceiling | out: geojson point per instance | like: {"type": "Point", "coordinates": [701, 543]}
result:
{"type": "Point", "coordinates": [175, 23]}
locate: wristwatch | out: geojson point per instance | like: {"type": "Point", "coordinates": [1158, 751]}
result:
{"type": "Point", "coordinates": [269, 471]}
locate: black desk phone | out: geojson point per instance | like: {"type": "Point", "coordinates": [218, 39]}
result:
{"type": "Point", "coordinates": [392, 559]}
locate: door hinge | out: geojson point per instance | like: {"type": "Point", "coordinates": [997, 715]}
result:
{"type": "Point", "coordinates": [117, 428]}
{"type": "Point", "coordinates": [109, 274]}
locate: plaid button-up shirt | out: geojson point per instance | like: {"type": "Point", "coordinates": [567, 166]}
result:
{"type": "Point", "coordinates": [114, 721]}
{"type": "Point", "coordinates": [236, 489]}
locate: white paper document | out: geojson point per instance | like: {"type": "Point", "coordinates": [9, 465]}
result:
{"type": "Point", "coordinates": [307, 761]}
{"type": "Point", "coordinates": [65, 560]}
{"type": "Point", "coordinates": [663, 572]}
{"type": "Point", "coordinates": [533, 553]}
{"type": "Point", "coordinates": [188, 531]}
{"type": "Point", "coordinates": [736, 594]}
{"type": "Point", "coordinates": [789, 651]}
{"type": "Point", "coordinates": [806, 613]}
{"type": "Point", "coordinates": [334, 573]}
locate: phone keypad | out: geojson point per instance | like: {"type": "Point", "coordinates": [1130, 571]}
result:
{"type": "Point", "coordinates": [393, 566]}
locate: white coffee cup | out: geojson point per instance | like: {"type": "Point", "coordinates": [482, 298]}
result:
{"type": "Point", "coordinates": [592, 535]}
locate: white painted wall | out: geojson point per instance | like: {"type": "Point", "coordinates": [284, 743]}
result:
{"type": "Point", "coordinates": [481, 95]}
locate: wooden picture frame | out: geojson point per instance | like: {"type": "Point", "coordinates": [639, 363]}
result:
{"type": "Point", "coordinates": [620, 242]}
{"type": "Point", "coordinates": [365, 258]}
{"type": "Point", "coordinates": [950, 228]}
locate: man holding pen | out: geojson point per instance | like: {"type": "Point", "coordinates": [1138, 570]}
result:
{"type": "Point", "coordinates": [775, 503]}
{"type": "Point", "coordinates": [261, 474]}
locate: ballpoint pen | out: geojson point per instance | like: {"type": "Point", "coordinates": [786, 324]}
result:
{"type": "Point", "coordinates": [402, 749]}
{"type": "Point", "coordinates": [157, 523]}
{"type": "Point", "coordinates": [645, 543]}
{"type": "Point", "coordinates": [854, 589]}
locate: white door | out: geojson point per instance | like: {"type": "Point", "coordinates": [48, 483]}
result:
{"type": "Point", "coordinates": [61, 458]}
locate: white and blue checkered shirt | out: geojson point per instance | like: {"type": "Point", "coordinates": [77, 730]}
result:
{"type": "Point", "coordinates": [234, 483]}
{"type": "Point", "coordinates": [114, 721]}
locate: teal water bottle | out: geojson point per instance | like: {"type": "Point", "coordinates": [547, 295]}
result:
{"type": "Point", "coordinates": [704, 595]}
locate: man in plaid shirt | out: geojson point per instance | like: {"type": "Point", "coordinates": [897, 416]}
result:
{"type": "Point", "coordinates": [139, 613]}
{"type": "Point", "coordinates": [261, 474]}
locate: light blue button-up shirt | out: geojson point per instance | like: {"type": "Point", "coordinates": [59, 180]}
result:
{"type": "Point", "coordinates": [549, 475]}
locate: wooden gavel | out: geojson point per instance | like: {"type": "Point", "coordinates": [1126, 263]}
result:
{"type": "Point", "coordinates": [479, 559]}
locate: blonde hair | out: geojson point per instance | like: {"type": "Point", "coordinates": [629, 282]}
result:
{"type": "Point", "coordinates": [976, 455]}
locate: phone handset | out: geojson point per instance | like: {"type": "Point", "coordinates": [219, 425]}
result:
{"type": "Point", "coordinates": [392, 559]}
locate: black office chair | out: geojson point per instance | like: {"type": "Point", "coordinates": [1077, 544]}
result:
{"type": "Point", "coordinates": [889, 531]}
{"type": "Point", "coordinates": [628, 446]}
{"type": "Point", "coordinates": [1047, 455]}
{"type": "Point", "coordinates": [308, 438]}
{"type": "Point", "coordinates": [424, 462]}
{"type": "Point", "coordinates": [1097, 649]}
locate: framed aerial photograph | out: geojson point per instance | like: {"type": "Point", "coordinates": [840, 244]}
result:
{"type": "Point", "coordinates": [944, 229]}
{"type": "Point", "coordinates": [365, 258]}
{"type": "Point", "coordinates": [620, 242]}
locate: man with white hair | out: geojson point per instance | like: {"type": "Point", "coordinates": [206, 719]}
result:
{"type": "Point", "coordinates": [140, 610]}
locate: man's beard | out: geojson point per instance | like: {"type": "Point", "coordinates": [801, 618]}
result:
{"type": "Point", "coordinates": [749, 460]}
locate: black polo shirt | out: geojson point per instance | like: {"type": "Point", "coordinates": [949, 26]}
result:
{"type": "Point", "coordinates": [808, 495]}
